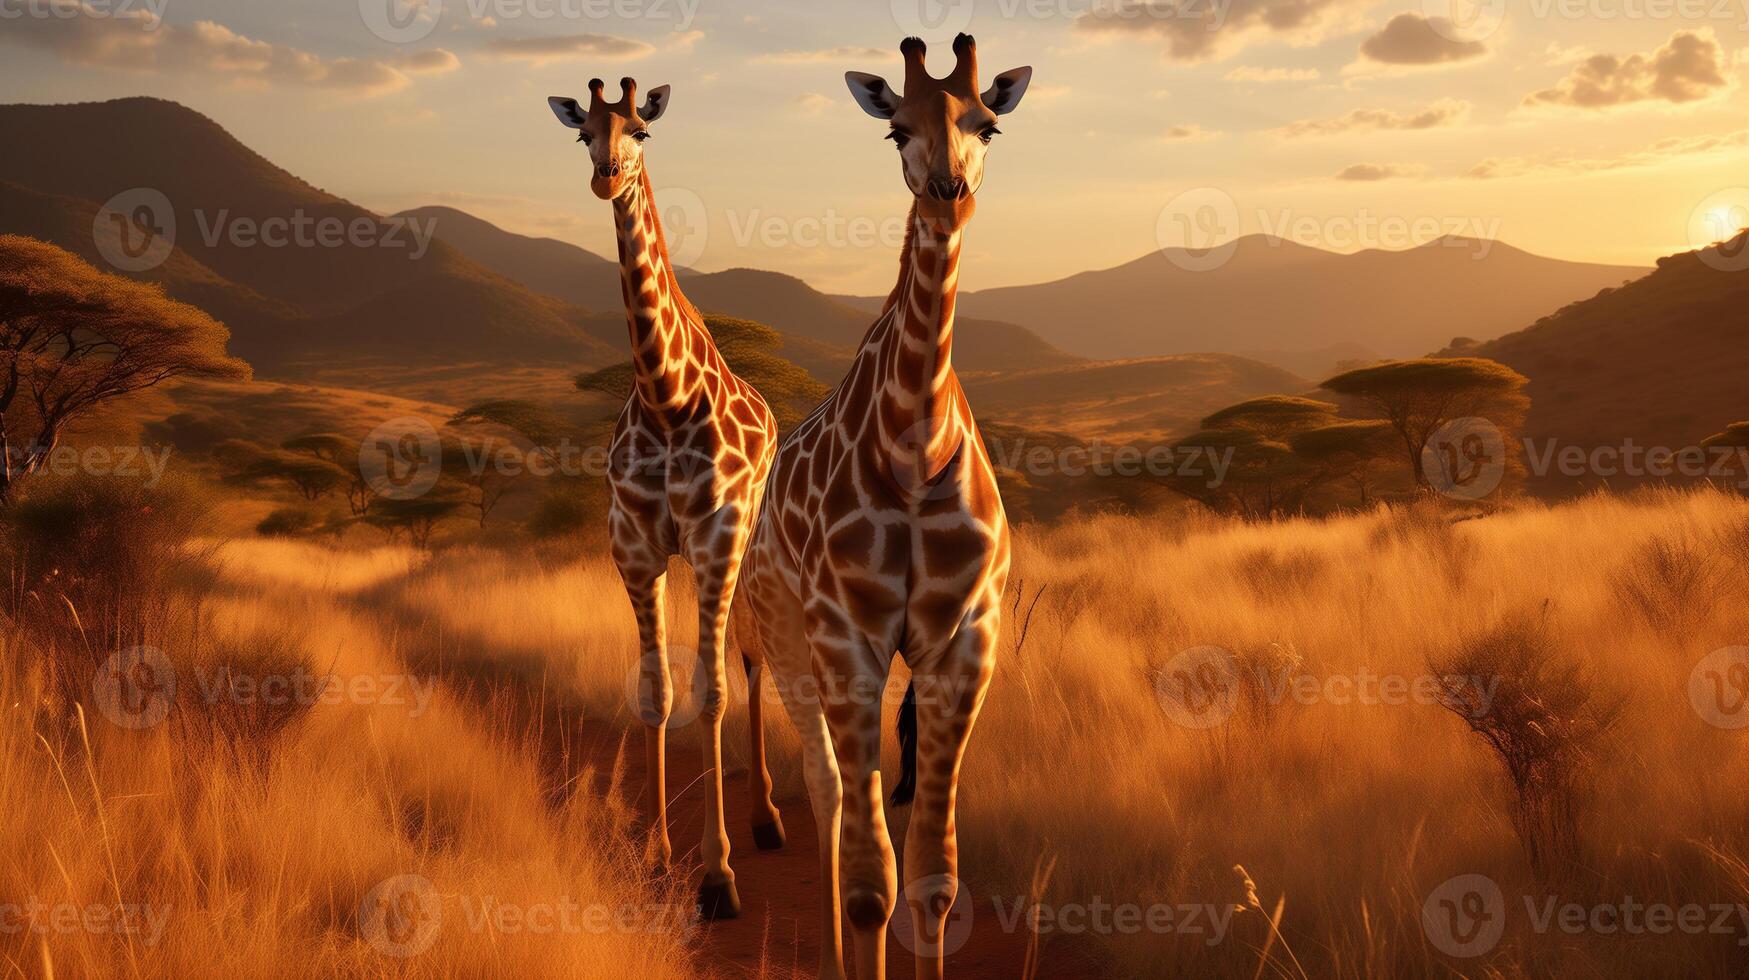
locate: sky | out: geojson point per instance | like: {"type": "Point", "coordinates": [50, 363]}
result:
{"type": "Point", "coordinates": [1592, 130]}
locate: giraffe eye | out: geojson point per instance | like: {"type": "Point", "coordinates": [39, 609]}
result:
{"type": "Point", "coordinates": [583, 138]}
{"type": "Point", "coordinates": [641, 135]}
{"type": "Point", "coordinates": [989, 133]}
{"type": "Point", "coordinates": [899, 138]}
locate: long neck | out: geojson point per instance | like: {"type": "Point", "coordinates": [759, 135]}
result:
{"type": "Point", "coordinates": [661, 320]}
{"type": "Point", "coordinates": [917, 405]}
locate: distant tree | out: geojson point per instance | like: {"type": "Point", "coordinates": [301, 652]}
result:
{"type": "Point", "coordinates": [1275, 416]}
{"type": "Point", "coordinates": [311, 476]}
{"type": "Point", "coordinates": [547, 431]}
{"type": "Point", "coordinates": [1346, 450]}
{"type": "Point", "coordinates": [1257, 475]}
{"type": "Point", "coordinates": [1734, 439]}
{"type": "Point", "coordinates": [337, 449]}
{"type": "Point", "coordinates": [73, 338]}
{"type": "Point", "coordinates": [1417, 397]}
{"type": "Point", "coordinates": [418, 517]}
{"type": "Point", "coordinates": [487, 469]}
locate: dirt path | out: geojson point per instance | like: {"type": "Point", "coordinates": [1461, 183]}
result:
{"type": "Point", "coordinates": [777, 934]}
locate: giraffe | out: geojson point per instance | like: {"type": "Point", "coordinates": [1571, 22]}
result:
{"type": "Point", "coordinates": [882, 533]}
{"type": "Point", "coordinates": [690, 455]}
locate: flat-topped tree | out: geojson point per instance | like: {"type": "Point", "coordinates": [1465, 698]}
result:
{"type": "Point", "coordinates": [1273, 415]}
{"type": "Point", "coordinates": [73, 338]}
{"type": "Point", "coordinates": [1419, 396]}
{"type": "Point", "coordinates": [1346, 449]}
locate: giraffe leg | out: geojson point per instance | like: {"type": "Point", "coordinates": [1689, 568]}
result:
{"type": "Point", "coordinates": [949, 696]}
{"type": "Point", "coordinates": [852, 682]}
{"type": "Point", "coordinates": [825, 795]}
{"type": "Point", "coordinates": [767, 824]}
{"type": "Point", "coordinates": [655, 699]}
{"type": "Point", "coordinates": [717, 898]}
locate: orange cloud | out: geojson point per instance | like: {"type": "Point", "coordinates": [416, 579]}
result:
{"type": "Point", "coordinates": [1689, 67]}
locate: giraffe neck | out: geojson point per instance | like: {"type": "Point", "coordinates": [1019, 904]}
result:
{"type": "Point", "coordinates": [916, 406]}
{"type": "Point", "coordinates": [664, 326]}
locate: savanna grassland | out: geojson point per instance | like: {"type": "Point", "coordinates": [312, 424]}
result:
{"type": "Point", "coordinates": [1287, 805]}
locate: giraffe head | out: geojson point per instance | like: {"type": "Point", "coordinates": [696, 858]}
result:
{"type": "Point", "coordinates": [942, 126]}
{"type": "Point", "coordinates": [614, 132]}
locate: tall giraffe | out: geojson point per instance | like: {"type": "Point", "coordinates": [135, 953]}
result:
{"type": "Point", "coordinates": [690, 456]}
{"type": "Point", "coordinates": [882, 533]}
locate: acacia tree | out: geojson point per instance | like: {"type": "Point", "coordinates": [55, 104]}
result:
{"type": "Point", "coordinates": [1734, 442]}
{"type": "Point", "coordinates": [1263, 476]}
{"type": "Point", "coordinates": [343, 453]}
{"type": "Point", "coordinates": [1419, 396]}
{"type": "Point", "coordinates": [1345, 450]}
{"type": "Point", "coordinates": [73, 338]}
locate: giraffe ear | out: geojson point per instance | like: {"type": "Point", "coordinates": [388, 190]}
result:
{"type": "Point", "coordinates": [655, 104]}
{"type": "Point", "coordinates": [1006, 89]}
{"type": "Point", "coordinates": [872, 93]}
{"type": "Point", "coordinates": [568, 111]}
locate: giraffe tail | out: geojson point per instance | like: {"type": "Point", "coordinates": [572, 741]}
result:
{"type": "Point", "coordinates": [906, 788]}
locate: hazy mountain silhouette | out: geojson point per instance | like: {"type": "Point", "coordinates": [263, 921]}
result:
{"type": "Point", "coordinates": [1275, 295]}
{"type": "Point", "coordinates": [1661, 360]}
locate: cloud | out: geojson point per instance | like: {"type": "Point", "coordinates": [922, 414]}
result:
{"type": "Point", "coordinates": [135, 41]}
{"type": "Point", "coordinates": [846, 53]}
{"type": "Point", "coordinates": [1411, 39]}
{"type": "Point", "coordinates": [539, 51]}
{"type": "Point", "coordinates": [812, 103]}
{"type": "Point", "coordinates": [1192, 30]}
{"type": "Point", "coordinates": [1651, 155]}
{"type": "Point", "coordinates": [1248, 73]}
{"type": "Point", "coordinates": [1445, 112]}
{"type": "Point", "coordinates": [1188, 133]}
{"type": "Point", "coordinates": [1379, 171]}
{"type": "Point", "coordinates": [1689, 67]}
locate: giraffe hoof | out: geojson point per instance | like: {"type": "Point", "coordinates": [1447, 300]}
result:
{"type": "Point", "coordinates": [718, 901]}
{"type": "Point", "coordinates": [769, 836]}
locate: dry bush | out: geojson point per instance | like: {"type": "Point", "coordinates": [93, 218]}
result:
{"type": "Point", "coordinates": [1669, 579]}
{"type": "Point", "coordinates": [1543, 714]}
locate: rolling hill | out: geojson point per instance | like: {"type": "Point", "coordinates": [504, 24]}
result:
{"type": "Point", "coordinates": [289, 308]}
{"type": "Point", "coordinates": [1661, 361]}
{"type": "Point", "coordinates": [1278, 296]}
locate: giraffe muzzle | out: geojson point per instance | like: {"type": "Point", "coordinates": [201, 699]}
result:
{"type": "Point", "coordinates": [607, 170]}
{"type": "Point", "coordinates": [947, 188]}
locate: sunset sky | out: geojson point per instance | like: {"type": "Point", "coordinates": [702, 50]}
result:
{"type": "Point", "coordinates": [1603, 130]}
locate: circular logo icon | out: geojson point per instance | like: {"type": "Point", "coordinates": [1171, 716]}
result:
{"type": "Point", "coordinates": [1198, 231]}
{"type": "Point", "coordinates": [1465, 459]}
{"type": "Point", "coordinates": [913, 468]}
{"type": "Point", "coordinates": [956, 929]}
{"type": "Point", "coordinates": [401, 21]}
{"type": "Point", "coordinates": [682, 710]}
{"type": "Point", "coordinates": [1715, 230]}
{"type": "Point", "coordinates": [1464, 20]}
{"type": "Point", "coordinates": [135, 688]}
{"type": "Point", "coordinates": [401, 916]}
{"type": "Point", "coordinates": [1465, 916]}
{"type": "Point", "coordinates": [135, 230]}
{"type": "Point", "coordinates": [401, 459]}
{"type": "Point", "coordinates": [932, 18]}
{"type": "Point", "coordinates": [1718, 688]}
{"type": "Point", "coordinates": [1199, 688]}
{"type": "Point", "coordinates": [685, 224]}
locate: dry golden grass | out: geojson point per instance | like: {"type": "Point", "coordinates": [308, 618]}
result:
{"type": "Point", "coordinates": [1080, 788]}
